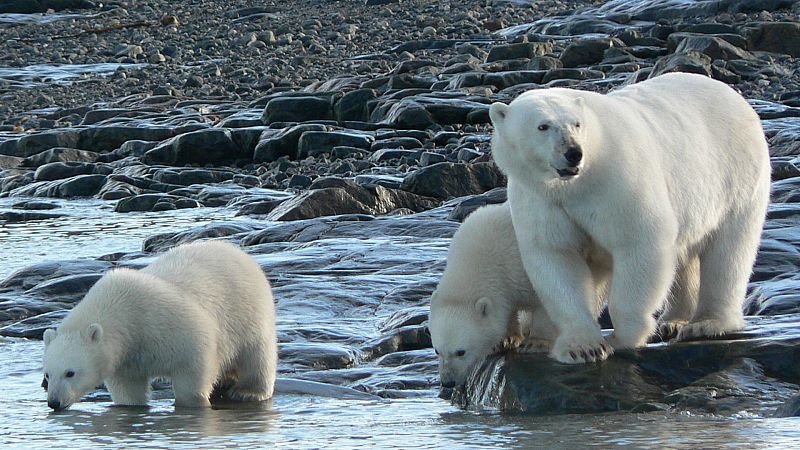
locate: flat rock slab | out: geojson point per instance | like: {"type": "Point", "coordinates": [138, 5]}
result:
{"type": "Point", "coordinates": [757, 370]}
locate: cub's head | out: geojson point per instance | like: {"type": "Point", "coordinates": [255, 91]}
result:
{"type": "Point", "coordinates": [463, 335]}
{"type": "Point", "coordinates": [540, 136]}
{"type": "Point", "coordinates": [74, 363]}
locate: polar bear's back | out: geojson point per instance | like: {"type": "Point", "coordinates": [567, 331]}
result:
{"type": "Point", "coordinates": [218, 277]}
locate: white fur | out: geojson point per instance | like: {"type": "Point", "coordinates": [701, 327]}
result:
{"type": "Point", "coordinates": [199, 313]}
{"type": "Point", "coordinates": [674, 179]}
{"type": "Point", "coordinates": [484, 287]}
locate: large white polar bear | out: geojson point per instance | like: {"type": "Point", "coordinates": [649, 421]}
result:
{"type": "Point", "coordinates": [476, 307]}
{"type": "Point", "coordinates": [200, 313]}
{"type": "Point", "coordinates": [666, 179]}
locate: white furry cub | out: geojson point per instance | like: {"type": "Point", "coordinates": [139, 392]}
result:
{"type": "Point", "coordinates": [199, 313]}
{"type": "Point", "coordinates": [484, 288]}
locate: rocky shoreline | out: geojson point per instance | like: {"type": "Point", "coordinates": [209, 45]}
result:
{"type": "Point", "coordinates": [346, 121]}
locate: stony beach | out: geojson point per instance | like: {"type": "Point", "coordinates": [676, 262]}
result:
{"type": "Point", "coordinates": [350, 138]}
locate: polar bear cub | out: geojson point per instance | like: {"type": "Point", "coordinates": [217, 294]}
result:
{"type": "Point", "coordinates": [200, 313]}
{"type": "Point", "coordinates": [667, 179]}
{"type": "Point", "coordinates": [476, 305]}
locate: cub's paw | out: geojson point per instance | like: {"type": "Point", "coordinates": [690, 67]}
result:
{"type": "Point", "coordinates": [708, 328]}
{"type": "Point", "coordinates": [669, 329]}
{"type": "Point", "coordinates": [573, 350]}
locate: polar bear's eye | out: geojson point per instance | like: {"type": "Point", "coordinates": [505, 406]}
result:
{"type": "Point", "coordinates": [544, 127]}
{"type": "Point", "coordinates": [461, 353]}
{"type": "Point", "coordinates": [69, 374]}
{"type": "Point", "coordinates": [577, 124]}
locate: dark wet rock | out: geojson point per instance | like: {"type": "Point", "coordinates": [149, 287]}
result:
{"type": "Point", "coordinates": [396, 142]}
{"type": "Point", "coordinates": [41, 6]}
{"type": "Point", "coordinates": [61, 170]}
{"type": "Point", "coordinates": [319, 356]}
{"type": "Point", "coordinates": [430, 158]}
{"type": "Point", "coordinates": [36, 143]}
{"type": "Point", "coordinates": [501, 80]}
{"type": "Point", "coordinates": [299, 181]}
{"type": "Point", "coordinates": [34, 205]}
{"type": "Point", "coordinates": [354, 105]}
{"type": "Point", "coordinates": [163, 242]}
{"type": "Point", "coordinates": [297, 109]}
{"type": "Point", "coordinates": [110, 137]}
{"type": "Point", "coordinates": [790, 409]}
{"type": "Point", "coordinates": [389, 154]}
{"type": "Point", "coordinates": [14, 216]}
{"type": "Point", "coordinates": [352, 199]}
{"type": "Point", "coordinates": [315, 143]}
{"type": "Point", "coordinates": [70, 288]}
{"type": "Point", "coordinates": [776, 37]}
{"type": "Point", "coordinates": [411, 337]}
{"type": "Point", "coordinates": [747, 370]}
{"type": "Point", "coordinates": [77, 186]}
{"type": "Point", "coordinates": [585, 52]}
{"type": "Point", "coordinates": [692, 62]}
{"type": "Point", "coordinates": [277, 143]}
{"type": "Point", "coordinates": [387, 181]}
{"type": "Point", "coordinates": [446, 180]}
{"type": "Point", "coordinates": [187, 177]}
{"type": "Point", "coordinates": [10, 162]}
{"type": "Point", "coordinates": [520, 50]}
{"type": "Point", "coordinates": [466, 206]}
{"type": "Point", "coordinates": [405, 114]}
{"type": "Point", "coordinates": [259, 207]}
{"type": "Point", "coordinates": [572, 74]}
{"type": "Point", "coordinates": [357, 226]}
{"type": "Point", "coordinates": [154, 202]}
{"type": "Point", "coordinates": [31, 276]}
{"type": "Point", "coordinates": [713, 46]}
{"type": "Point", "coordinates": [405, 317]}
{"type": "Point", "coordinates": [210, 146]}
{"type": "Point", "coordinates": [60, 154]}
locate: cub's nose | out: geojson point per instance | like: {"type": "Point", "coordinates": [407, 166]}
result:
{"type": "Point", "coordinates": [448, 384]}
{"type": "Point", "coordinates": [55, 404]}
{"type": "Point", "coordinates": [573, 155]}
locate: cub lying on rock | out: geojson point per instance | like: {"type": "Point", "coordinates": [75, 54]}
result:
{"type": "Point", "coordinates": [200, 313]}
{"type": "Point", "coordinates": [665, 180]}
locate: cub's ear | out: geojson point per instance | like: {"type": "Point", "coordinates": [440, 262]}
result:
{"type": "Point", "coordinates": [49, 335]}
{"type": "Point", "coordinates": [94, 333]}
{"type": "Point", "coordinates": [484, 306]}
{"type": "Point", "coordinates": [498, 113]}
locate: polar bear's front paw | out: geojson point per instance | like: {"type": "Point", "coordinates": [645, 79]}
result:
{"type": "Point", "coordinates": [708, 328]}
{"type": "Point", "coordinates": [669, 329]}
{"type": "Point", "coordinates": [572, 350]}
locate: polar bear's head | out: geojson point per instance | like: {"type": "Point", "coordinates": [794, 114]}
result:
{"type": "Point", "coordinates": [541, 135]}
{"type": "Point", "coordinates": [74, 364]}
{"type": "Point", "coordinates": [464, 337]}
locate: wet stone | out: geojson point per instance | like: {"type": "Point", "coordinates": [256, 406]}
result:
{"type": "Point", "coordinates": [276, 143]}
{"type": "Point", "coordinates": [210, 146]}
{"type": "Point", "coordinates": [60, 154]}
{"type": "Point", "coordinates": [520, 50]}
{"type": "Point", "coordinates": [315, 143]}
{"type": "Point", "coordinates": [744, 371]}
{"type": "Point", "coordinates": [61, 170]}
{"type": "Point", "coordinates": [297, 109]}
{"type": "Point", "coordinates": [446, 180]}
{"type": "Point", "coordinates": [585, 52]}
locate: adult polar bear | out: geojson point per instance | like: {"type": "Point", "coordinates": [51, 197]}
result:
{"type": "Point", "coordinates": [200, 313]}
{"type": "Point", "coordinates": [665, 179]}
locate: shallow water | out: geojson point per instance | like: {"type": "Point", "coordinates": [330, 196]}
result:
{"type": "Point", "coordinates": [297, 421]}
{"type": "Point", "coordinates": [422, 420]}
{"type": "Point", "coordinates": [40, 74]}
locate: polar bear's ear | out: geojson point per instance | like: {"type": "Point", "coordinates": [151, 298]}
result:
{"type": "Point", "coordinates": [498, 113]}
{"type": "Point", "coordinates": [49, 335]}
{"type": "Point", "coordinates": [484, 306]}
{"type": "Point", "coordinates": [94, 332]}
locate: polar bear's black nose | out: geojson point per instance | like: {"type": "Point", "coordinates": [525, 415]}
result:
{"type": "Point", "coordinates": [573, 155]}
{"type": "Point", "coordinates": [55, 404]}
